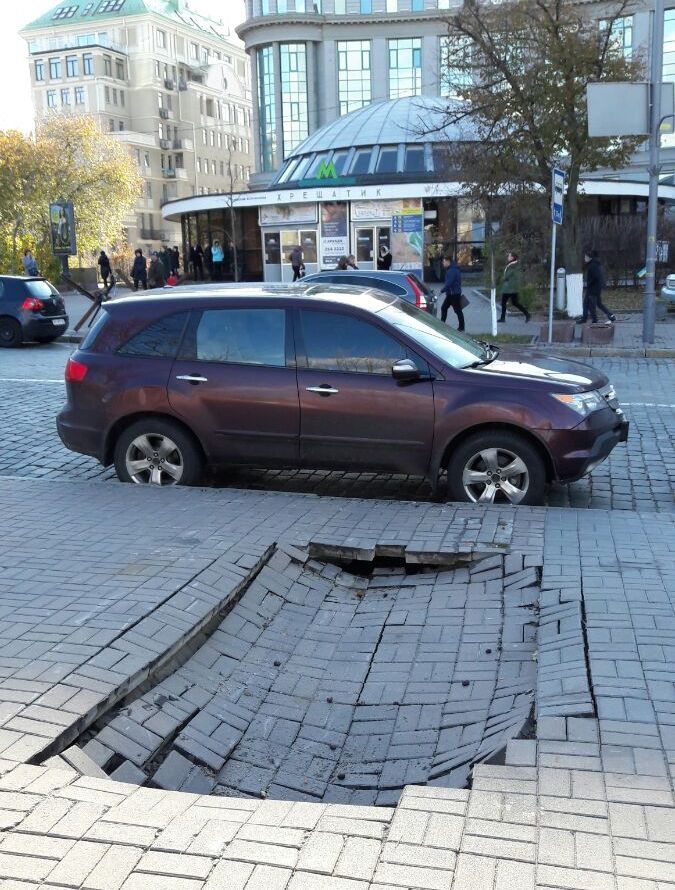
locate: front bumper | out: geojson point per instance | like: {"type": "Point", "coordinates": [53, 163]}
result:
{"type": "Point", "coordinates": [580, 450]}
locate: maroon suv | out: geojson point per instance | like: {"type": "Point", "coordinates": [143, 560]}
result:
{"type": "Point", "coordinates": [328, 377]}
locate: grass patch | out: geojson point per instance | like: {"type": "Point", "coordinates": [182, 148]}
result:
{"type": "Point", "coordinates": [503, 338]}
{"type": "Point", "coordinates": [618, 299]}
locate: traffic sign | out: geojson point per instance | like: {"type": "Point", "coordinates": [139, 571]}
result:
{"type": "Point", "coordinates": [558, 192]}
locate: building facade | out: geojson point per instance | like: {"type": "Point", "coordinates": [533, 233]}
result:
{"type": "Point", "coordinates": [167, 81]}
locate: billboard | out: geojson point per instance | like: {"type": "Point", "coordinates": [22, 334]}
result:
{"type": "Point", "coordinates": [334, 232]}
{"type": "Point", "coordinates": [62, 227]}
{"type": "Point", "coordinates": [407, 235]}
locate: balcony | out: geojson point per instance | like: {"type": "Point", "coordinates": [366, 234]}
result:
{"type": "Point", "coordinates": [154, 235]}
{"type": "Point", "coordinates": [164, 113]}
{"type": "Point", "coordinates": [165, 144]}
{"type": "Point", "coordinates": [169, 84]}
{"type": "Point", "coordinates": [182, 84]}
{"type": "Point", "coordinates": [183, 144]}
{"type": "Point", "coordinates": [49, 44]}
{"type": "Point", "coordinates": [169, 172]}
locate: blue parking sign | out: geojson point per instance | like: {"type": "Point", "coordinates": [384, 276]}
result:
{"type": "Point", "coordinates": [558, 196]}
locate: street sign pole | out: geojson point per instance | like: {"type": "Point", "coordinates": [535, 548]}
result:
{"type": "Point", "coordinates": [557, 200]}
{"type": "Point", "coordinates": [649, 311]}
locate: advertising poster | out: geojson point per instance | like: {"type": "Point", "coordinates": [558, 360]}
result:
{"type": "Point", "coordinates": [287, 213]}
{"type": "Point", "coordinates": [334, 233]}
{"type": "Point", "coordinates": [407, 235]}
{"type": "Point", "coordinates": [62, 226]}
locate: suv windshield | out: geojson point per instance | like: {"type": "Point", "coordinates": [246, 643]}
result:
{"type": "Point", "coordinates": [41, 289]}
{"type": "Point", "coordinates": [453, 348]}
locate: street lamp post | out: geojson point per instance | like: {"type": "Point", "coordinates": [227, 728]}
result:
{"type": "Point", "coordinates": [649, 313]}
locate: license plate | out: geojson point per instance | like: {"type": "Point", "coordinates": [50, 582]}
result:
{"type": "Point", "coordinates": [58, 321]}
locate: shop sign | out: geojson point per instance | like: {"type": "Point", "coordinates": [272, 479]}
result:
{"type": "Point", "coordinates": [334, 232]}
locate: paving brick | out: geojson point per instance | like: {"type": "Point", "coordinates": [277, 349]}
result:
{"type": "Point", "coordinates": [113, 868]}
{"type": "Point", "coordinates": [78, 863]}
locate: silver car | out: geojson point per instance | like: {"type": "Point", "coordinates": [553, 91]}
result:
{"type": "Point", "coordinates": [668, 289]}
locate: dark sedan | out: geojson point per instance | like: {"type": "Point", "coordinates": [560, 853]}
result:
{"type": "Point", "coordinates": [31, 309]}
{"type": "Point", "coordinates": [398, 283]}
{"type": "Point", "coordinates": [328, 377]}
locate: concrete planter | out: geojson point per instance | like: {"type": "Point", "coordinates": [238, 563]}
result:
{"type": "Point", "coordinates": [575, 294]}
{"type": "Point", "coordinates": [563, 332]}
{"type": "Point", "coordinates": [661, 310]}
{"type": "Point", "coordinates": [597, 333]}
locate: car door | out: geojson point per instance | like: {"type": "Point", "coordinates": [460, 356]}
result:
{"type": "Point", "coordinates": [353, 414]}
{"type": "Point", "coordinates": [234, 381]}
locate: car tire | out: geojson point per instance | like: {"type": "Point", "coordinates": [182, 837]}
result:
{"type": "Point", "coordinates": [11, 335]}
{"type": "Point", "coordinates": [157, 451]}
{"type": "Point", "coordinates": [496, 467]}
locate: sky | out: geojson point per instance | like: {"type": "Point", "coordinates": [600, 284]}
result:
{"type": "Point", "coordinates": [16, 111]}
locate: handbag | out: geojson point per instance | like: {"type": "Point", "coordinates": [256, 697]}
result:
{"type": "Point", "coordinates": [463, 301]}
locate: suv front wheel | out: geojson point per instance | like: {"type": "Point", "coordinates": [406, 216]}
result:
{"type": "Point", "coordinates": [497, 467]}
{"type": "Point", "coordinates": [155, 451]}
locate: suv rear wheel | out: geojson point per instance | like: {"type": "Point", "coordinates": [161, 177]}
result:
{"type": "Point", "coordinates": [10, 332]}
{"type": "Point", "coordinates": [497, 467]}
{"type": "Point", "coordinates": [155, 451]}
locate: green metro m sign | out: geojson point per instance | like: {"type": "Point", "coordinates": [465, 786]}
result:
{"type": "Point", "coordinates": [326, 171]}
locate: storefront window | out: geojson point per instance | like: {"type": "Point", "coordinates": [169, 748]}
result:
{"type": "Point", "coordinates": [266, 108]}
{"type": "Point", "coordinates": [354, 86]}
{"type": "Point", "coordinates": [405, 67]}
{"type": "Point", "coordinates": [294, 93]}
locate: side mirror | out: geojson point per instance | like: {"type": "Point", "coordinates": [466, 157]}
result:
{"type": "Point", "coordinates": [405, 370]}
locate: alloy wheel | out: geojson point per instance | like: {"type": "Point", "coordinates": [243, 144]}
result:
{"type": "Point", "coordinates": [495, 475]}
{"type": "Point", "coordinates": [154, 459]}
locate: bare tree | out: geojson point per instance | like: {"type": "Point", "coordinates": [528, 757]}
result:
{"type": "Point", "coordinates": [232, 180]}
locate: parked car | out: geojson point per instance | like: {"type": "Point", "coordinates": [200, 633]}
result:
{"type": "Point", "coordinates": [30, 309]}
{"type": "Point", "coordinates": [405, 285]}
{"type": "Point", "coordinates": [668, 289]}
{"type": "Point", "coordinates": [328, 377]}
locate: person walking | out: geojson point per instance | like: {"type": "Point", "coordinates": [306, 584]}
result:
{"type": "Point", "coordinates": [196, 262]}
{"type": "Point", "coordinates": [452, 288]}
{"type": "Point", "coordinates": [30, 266]}
{"type": "Point", "coordinates": [296, 261]}
{"type": "Point", "coordinates": [511, 284]}
{"type": "Point", "coordinates": [175, 261]}
{"type": "Point", "coordinates": [104, 266]}
{"type": "Point", "coordinates": [156, 276]}
{"type": "Point", "coordinates": [218, 257]}
{"type": "Point", "coordinates": [595, 281]}
{"type": "Point", "coordinates": [139, 270]}
{"type": "Point", "coordinates": [208, 261]}
{"type": "Point", "coordinates": [384, 259]}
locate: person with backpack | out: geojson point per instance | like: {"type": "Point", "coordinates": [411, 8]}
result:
{"type": "Point", "coordinates": [452, 288]}
{"type": "Point", "coordinates": [104, 266]}
{"type": "Point", "coordinates": [511, 284]}
{"type": "Point", "coordinates": [595, 281]}
{"type": "Point", "coordinates": [139, 270]}
{"type": "Point", "coordinates": [30, 266]}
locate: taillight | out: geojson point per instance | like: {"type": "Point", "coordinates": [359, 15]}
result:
{"type": "Point", "coordinates": [75, 371]}
{"type": "Point", "coordinates": [32, 304]}
{"type": "Point", "coordinates": [420, 299]}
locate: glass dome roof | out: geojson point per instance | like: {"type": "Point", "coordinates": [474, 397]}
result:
{"type": "Point", "coordinates": [393, 140]}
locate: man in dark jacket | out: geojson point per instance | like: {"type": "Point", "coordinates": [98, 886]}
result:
{"type": "Point", "coordinates": [104, 266]}
{"type": "Point", "coordinates": [139, 270]}
{"type": "Point", "coordinates": [296, 261]}
{"type": "Point", "coordinates": [595, 281]}
{"type": "Point", "coordinates": [452, 289]}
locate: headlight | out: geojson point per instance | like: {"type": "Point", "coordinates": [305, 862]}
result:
{"type": "Point", "coordinates": [583, 403]}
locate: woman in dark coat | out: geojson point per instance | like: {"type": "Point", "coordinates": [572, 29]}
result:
{"type": "Point", "coordinates": [139, 270]}
{"type": "Point", "coordinates": [104, 266]}
{"type": "Point", "coordinates": [384, 259]}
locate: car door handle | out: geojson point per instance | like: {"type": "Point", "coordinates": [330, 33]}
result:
{"type": "Point", "coordinates": [192, 378]}
{"type": "Point", "coordinates": [323, 390]}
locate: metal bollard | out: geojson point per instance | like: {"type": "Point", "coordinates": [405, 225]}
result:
{"type": "Point", "coordinates": [560, 295]}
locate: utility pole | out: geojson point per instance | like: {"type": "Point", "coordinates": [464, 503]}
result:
{"type": "Point", "coordinates": [649, 311]}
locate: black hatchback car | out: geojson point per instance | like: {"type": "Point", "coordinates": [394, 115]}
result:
{"type": "Point", "coordinates": [30, 309]}
{"type": "Point", "coordinates": [399, 283]}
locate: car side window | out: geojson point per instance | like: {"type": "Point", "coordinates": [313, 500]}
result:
{"type": "Point", "coordinates": [161, 338]}
{"type": "Point", "coordinates": [387, 286]}
{"type": "Point", "coordinates": [2, 289]}
{"type": "Point", "coordinates": [336, 342]}
{"type": "Point", "coordinates": [238, 336]}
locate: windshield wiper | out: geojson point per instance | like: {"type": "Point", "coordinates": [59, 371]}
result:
{"type": "Point", "coordinates": [491, 350]}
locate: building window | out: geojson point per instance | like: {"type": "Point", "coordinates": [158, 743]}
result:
{"type": "Point", "coordinates": [222, 168]}
{"type": "Point", "coordinates": [110, 6]}
{"type": "Point", "coordinates": [51, 98]}
{"type": "Point", "coordinates": [119, 69]}
{"type": "Point", "coordinates": [54, 69]}
{"type": "Point", "coordinates": [107, 66]}
{"type": "Point", "coordinates": [194, 51]}
{"type": "Point", "coordinates": [107, 95]}
{"type": "Point", "coordinates": [417, 5]}
{"type": "Point", "coordinates": [65, 97]}
{"type": "Point", "coordinates": [39, 70]}
{"type": "Point", "coordinates": [65, 12]}
{"type": "Point", "coordinates": [455, 57]}
{"type": "Point", "coordinates": [267, 122]}
{"type": "Point", "coordinates": [121, 125]}
{"type": "Point", "coordinates": [72, 66]}
{"type": "Point", "coordinates": [354, 85]}
{"type": "Point", "coordinates": [621, 33]}
{"type": "Point", "coordinates": [340, 7]}
{"type": "Point", "coordinates": [294, 91]}
{"type": "Point", "coordinates": [122, 98]}
{"type": "Point", "coordinates": [79, 95]}
{"type": "Point", "coordinates": [405, 67]}
{"type": "Point", "coordinates": [205, 137]}
{"type": "Point", "coordinates": [161, 39]}
{"type": "Point", "coordinates": [88, 63]}
{"type": "Point", "coordinates": [392, 5]}
{"type": "Point", "coordinates": [87, 8]}
{"type": "Point", "coordinates": [365, 7]}
{"type": "Point", "coordinates": [213, 168]}
{"type": "Point", "coordinates": [205, 56]}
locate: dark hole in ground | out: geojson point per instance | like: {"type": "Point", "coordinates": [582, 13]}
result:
{"type": "Point", "coordinates": [339, 681]}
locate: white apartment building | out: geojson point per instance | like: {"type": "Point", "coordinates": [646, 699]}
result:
{"type": "Point", "coordinates": [166, 80]}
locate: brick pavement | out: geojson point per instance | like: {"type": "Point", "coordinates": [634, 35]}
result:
{"type": "Point", "coordinates": [588, 802]}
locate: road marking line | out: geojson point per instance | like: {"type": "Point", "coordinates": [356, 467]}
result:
{"type": "Point", "coordinates": [29, 380]}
